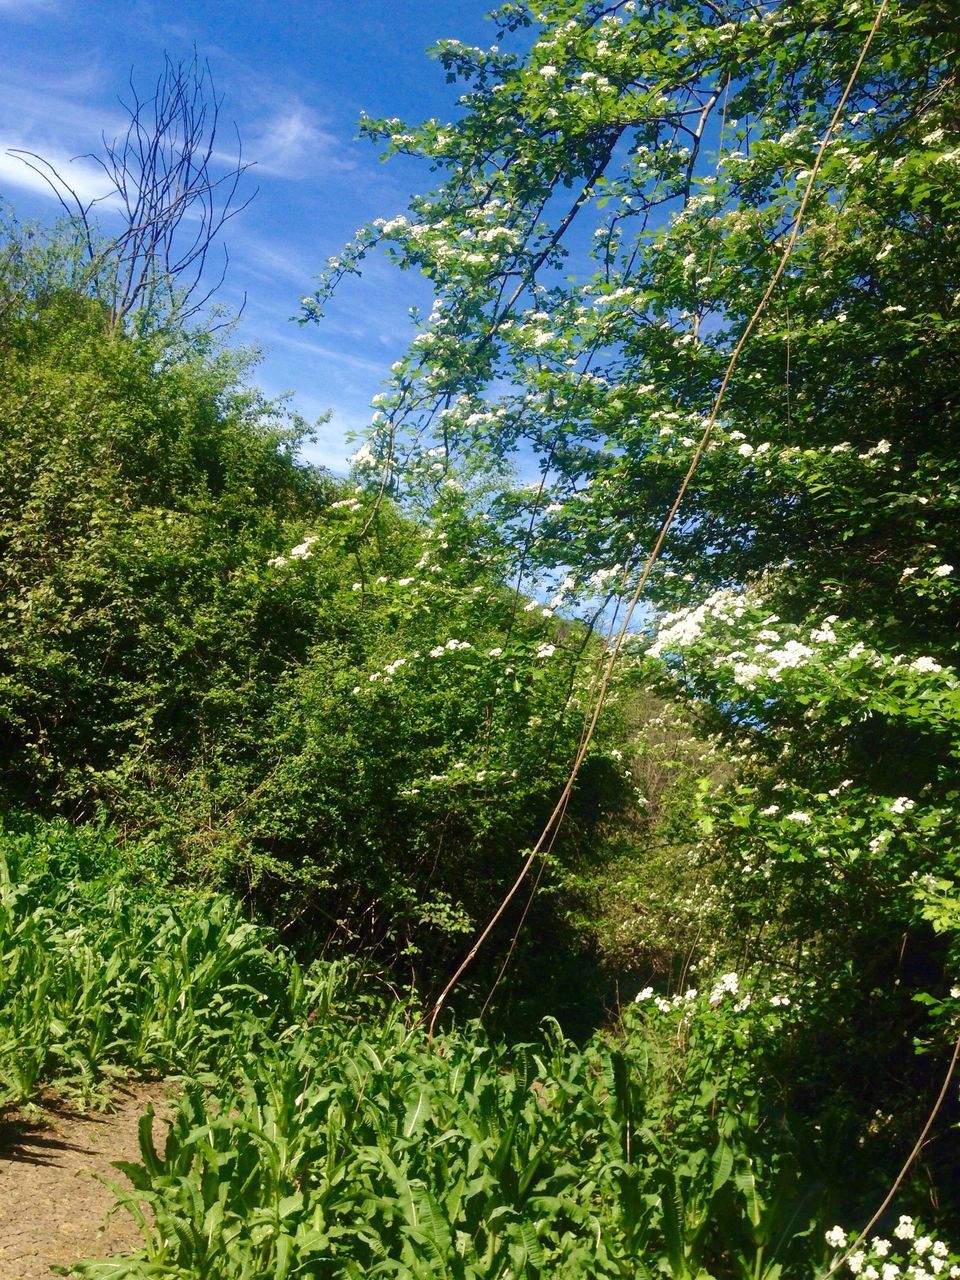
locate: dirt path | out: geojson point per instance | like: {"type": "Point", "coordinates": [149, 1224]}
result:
{"type": "Point", "coordinates": [51, 1209]}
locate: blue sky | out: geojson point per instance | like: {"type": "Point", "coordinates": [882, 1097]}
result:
{"type": "Point", "coordinates": [295, 78]}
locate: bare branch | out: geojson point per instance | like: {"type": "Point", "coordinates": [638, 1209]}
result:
{"type": "Point", "coordinates": [161, 175]}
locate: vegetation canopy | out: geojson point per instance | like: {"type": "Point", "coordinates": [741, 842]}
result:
{"type": "Point", "coordinates": [278, 747]}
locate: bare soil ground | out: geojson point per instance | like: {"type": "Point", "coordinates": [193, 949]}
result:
{"type": "Point", "coordinates": [52, 1208]}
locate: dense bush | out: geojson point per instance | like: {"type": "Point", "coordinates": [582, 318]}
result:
{"type": "Point", "coordinates": [196, 641]}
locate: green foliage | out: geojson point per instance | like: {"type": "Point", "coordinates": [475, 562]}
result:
{"type": "Point", "coordinates": [196, 641]}
{"type": "Point", "coordinates": [99, 976]}
{"type": "Point", "coordinates": [610, 208]}
{"type": "Point", "coordinates": [316, 1128]}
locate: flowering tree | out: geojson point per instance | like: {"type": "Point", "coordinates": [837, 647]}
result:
{"type": "Point", "coordinates": [615, 197]}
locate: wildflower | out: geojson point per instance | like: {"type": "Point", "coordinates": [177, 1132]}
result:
{"type": "Point", "coordinates": [889, 1271]}
{"type": "Point", "coordinates": [645, 994]}
{"type": "Point", "coordinates": [727, 982]}
{"type": "Point", "coordinates": [495, 653]}
{"type": "Point", "coordinates": [924, 664]}
{"type": "Point", "coordinates": [855, 1262]}
{"type": "Point", "coordinates": [904, 1230]}
{"type": "Point", "coordinates": [745, 450]}
{"type": "Point", "coordinates": [364, 456]}
{"type": "Point", "coordinates": [546, 650]}
{"type": "Point", "coordinates": [879, 1246]}
{"type": "Point", "coordinates": [357, 586]}
{"type": "Point", "coordinates": [922, 1245]}
{"type": "Point", "coordinates": [548, 71]}
{"type": "Point", "coordinates": [404, 582]}
{"type": "Point", "coordinates": [769, 811]}
{"type": "Point", "coordinates": [901, 805]}
{"type": "Point", "coordinates": [942, 570]}
{"type": "Point", "coordinates": [836, 1238]}
{"type": "Point", "coordinates": [302, 551]}
{"type": "Point", "coordinates": [799, 816]}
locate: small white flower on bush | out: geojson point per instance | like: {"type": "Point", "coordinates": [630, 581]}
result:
{"type": "Point", "coordinates": [302, 550]}
{"type": "Point", "coordinates": [836, 1238]}
{"type": "Point", "coordinates": [924, 664]}
{"type": "Point", "coordinates": [727, 983]}
{"type": "Point", "coordinates": [365, 457]}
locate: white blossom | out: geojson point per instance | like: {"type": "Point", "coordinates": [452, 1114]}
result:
{"type": "Point", "coordinates": [923, 664]}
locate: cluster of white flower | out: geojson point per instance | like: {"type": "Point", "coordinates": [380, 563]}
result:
{"type": "Point", "coordinates": [771, 655]}
{"type": "Point", "coordinates": [451, 646]}
{"type": "Point", "coordinates": [601, 577]}
{"type": "Point", "coordinates": [726, 984]}
{"type": "Point", "coordinates": [922, 1258]}
{"type": "Point", "coordinates": [685, 626]}
{"type": "Point", "coordinates": [662, 1003]}
{"type": "Point", "coordinates": [302, 551]}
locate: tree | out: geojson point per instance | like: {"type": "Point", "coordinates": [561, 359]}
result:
{"type": "Point", "coordinates": [164, 179]}
{"type": "Point", "coordinates": [616, 198]}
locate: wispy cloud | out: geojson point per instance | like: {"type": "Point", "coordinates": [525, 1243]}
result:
{"type": "Point", "coordinates": [290, 143]}
{"type": "Point", "coordinates": [28, 8]}
{"type": "Point", "coordinates": [29, 174]}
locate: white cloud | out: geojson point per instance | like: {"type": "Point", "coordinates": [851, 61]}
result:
{"type": "Point", "coordinates": [28, 8]}
{"type": "Point", "coordinates": [291, 144]}
{"type": "Point", "coordinates": [27, 173]}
